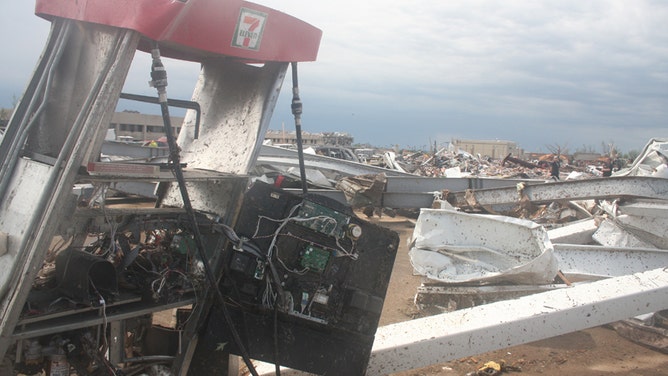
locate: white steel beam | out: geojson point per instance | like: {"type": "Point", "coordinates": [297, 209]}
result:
{"type": "Point", "coordinates": [647, 208]}
{"type": "Point", "coordinates": [603, 188]}
{"type": "Point", "coordinates": [599, 261]}
{"type": "Point", "coordinates": [275, 156]}
{"type": "Point", "coordinates": [578, 232]}
{"type": "Point", "coordinates": [436, 339]}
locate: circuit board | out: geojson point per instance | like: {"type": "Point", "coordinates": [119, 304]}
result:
{"type": "Point", "coordinates": [314, 258]}
{"type": "Point", "coordinates": [323, 219]}
{"type": "Point", "coordinates": [321, 289]}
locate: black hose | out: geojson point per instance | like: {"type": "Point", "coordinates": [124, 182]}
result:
{"type": "Point", "coordinates": [297, 113]}
{"type": "Point", "coordinates": [159, 81]}
{"type": "Point", "coordinates": [277, 363]}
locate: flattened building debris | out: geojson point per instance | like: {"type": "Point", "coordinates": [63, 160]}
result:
{"type": "Point", "coordinates": [596, 228]}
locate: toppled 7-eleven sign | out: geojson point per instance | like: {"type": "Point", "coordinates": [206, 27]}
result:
{"type": "Point", "coordinates": [248, 33]}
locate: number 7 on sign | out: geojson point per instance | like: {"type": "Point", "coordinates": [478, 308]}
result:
{"type": "Point", "coordinates": [249, 28]}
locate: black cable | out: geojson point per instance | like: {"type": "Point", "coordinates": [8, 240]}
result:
{"type": "Point", "coordinates": [277, 363]}
{"type": "Point", "coordinates": [159, 81]}
{"type": "Point", "coordinates": [297, 113]}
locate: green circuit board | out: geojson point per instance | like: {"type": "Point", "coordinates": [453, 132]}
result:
{"type": "Point", "coordinates": [314, 258]}
{"type": "Point", "coordinates": [324, 220]}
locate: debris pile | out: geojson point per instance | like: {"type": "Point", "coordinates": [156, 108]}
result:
{"type": "Point", "coordinates": [455, 164]}
{"type": "Point", "coordinates": [332, 167]}
{"type": "Point", "coordinates": [477, 247]}
{"type": "Point", "coordinates": [619, 215]}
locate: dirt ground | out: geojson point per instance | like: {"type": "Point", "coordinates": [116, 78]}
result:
{"type": "Point", "coordinates": [596, 351]}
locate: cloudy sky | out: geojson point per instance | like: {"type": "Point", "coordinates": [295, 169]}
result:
{"type": "Point", "coordinates": [570, 73]}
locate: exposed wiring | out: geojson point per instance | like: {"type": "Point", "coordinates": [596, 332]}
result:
{"type": "Point", "coordinates": [345, 252]}
{"type": "Point", "coordinates": [272, 245]}
{"type": "Point", "coordinates": [268, 296]}
{"type": "Point", "coordinates": [105, 341]}
{"type": "Point", "coordinates": [140, 266]}
{"type": "Point", "coordinates": [298, 272]}
{"type": "Point", "coordinates": [59, 246]}
{"type": "Point", "coordinates": [112, 249]}
{"type": "Point", "coordinates": [104, 321]}
{"type": "Point", "coordinates": [96, 353]}
{"type": "Point", "coordinates": [163, 280]}
{"type": "Point", "coordinates": [340, 252]}
{"type": "Point", "coordinates": [321, 291]}
{"type": "Point", "coordinates": [282, 223]}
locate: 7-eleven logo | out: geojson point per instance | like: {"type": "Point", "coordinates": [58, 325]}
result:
{"type": "Point", "coordinates": [248, 33]}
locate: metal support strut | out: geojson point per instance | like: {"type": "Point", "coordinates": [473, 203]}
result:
{"type": "Point", "coordinates": [159, 81]}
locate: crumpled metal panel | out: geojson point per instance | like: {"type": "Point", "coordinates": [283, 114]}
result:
{"type": "Point", "coordinates": [282, 158]}
{"type": "Point", "coordinates": [455, 247]}
{"type": "Point", "coordinates": [650, 162]}
{"type": "Point", "coordinates": [655, 209]}
{"type": "Point", "coordinates": [612, 234]}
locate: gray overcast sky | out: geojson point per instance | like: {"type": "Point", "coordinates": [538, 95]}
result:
{"type": "Point", "coordinates": [566, 72]}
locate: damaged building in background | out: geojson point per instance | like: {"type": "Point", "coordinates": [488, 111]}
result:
{"type": "Point", "coordinates": [494, 149]}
